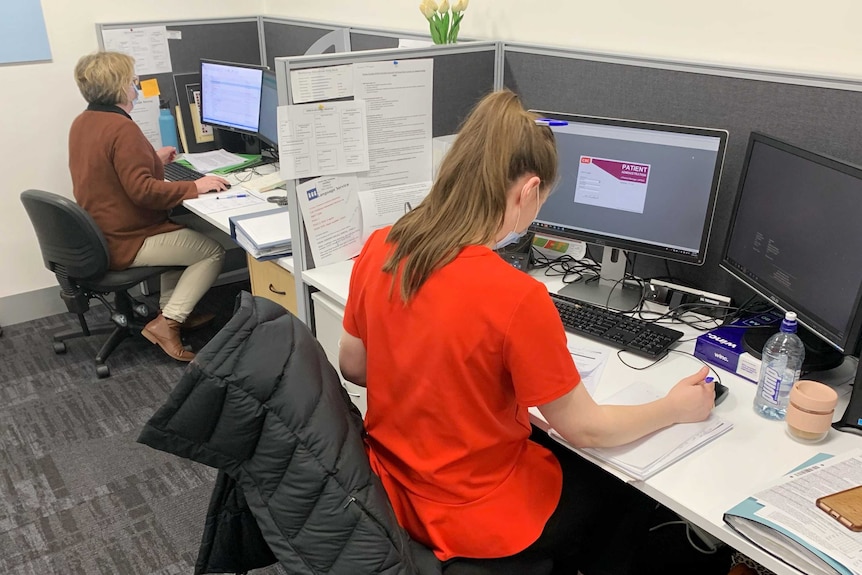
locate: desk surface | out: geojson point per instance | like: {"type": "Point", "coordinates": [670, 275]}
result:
{"type": "Point", "coordinates": [221, 219]}
{"type": "Point", "coordinates": [706, 483]}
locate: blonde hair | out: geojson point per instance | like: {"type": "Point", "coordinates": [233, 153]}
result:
{"type": "Point", "coordinates": [103, 77]}
{"type": "Point", "coordinates": [498, 143]}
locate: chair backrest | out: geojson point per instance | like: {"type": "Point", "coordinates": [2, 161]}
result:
{"type": "Point", "coordinates": [72, 244]}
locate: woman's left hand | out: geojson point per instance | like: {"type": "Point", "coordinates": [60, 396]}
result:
{"type": "Point", "coordinates": [167, 154]}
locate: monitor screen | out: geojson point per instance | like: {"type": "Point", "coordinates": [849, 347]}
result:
{"type": "Point", "coordinates": [268, 130]}
{"type": "Point", "coordinates": [230, 95]}
{"type": "Point", "coordinates": [637, 186]}
{"type": "Point", "coordinates": [795, 236]}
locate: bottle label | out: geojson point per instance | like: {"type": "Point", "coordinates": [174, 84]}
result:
{"type": "Point", "coordinates": [771, 384]}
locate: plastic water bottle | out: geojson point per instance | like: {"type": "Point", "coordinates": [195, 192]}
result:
{"type": "Point", "coordinates": [167, 125]}
{"type": "Point", "coordinates": [780, 366]}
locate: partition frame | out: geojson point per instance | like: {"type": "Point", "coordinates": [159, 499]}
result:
{"type": "Point", "coordinates": [283, 67]}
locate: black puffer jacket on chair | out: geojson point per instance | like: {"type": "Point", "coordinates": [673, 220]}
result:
{"type": "Point", "coordinates": [262, 403]}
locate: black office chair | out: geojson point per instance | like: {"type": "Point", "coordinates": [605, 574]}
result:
{"type": "Point", "coordinates": [75, 250]}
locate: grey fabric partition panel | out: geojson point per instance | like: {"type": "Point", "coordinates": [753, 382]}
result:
{"type": "Point", "coordinates": [229, 41]}
{"type": "Point", "coordinates": [360, 41]}
{"type": "Point", "coordinates": [823, 119]}
{"type": "Point", "coordinates": [460, 81]}
{"type": "Point", "coordinates": [289, 39]}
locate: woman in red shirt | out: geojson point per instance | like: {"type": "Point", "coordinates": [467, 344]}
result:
{"type": "Point", "coordinates": [455, 345]}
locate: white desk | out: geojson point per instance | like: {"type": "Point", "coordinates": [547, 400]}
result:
{"type": "Point", "coordinates": [265, 280]}
{"type": "Point", "coordinates": [706, 483]}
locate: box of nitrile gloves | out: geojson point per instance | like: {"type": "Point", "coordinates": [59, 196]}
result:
{"type": "Point", "coordinates": [723, 346]}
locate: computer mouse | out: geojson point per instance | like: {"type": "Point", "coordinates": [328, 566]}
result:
{"type": "Point", "coordinates": [721, 392]}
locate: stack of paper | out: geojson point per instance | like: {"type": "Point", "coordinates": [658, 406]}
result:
{"type": "Point", "coordinates": [265, 235]}
{"type": "Point", "coordinates": [647, 456]}
{"type": "Point", "coordinates": [783, 517]}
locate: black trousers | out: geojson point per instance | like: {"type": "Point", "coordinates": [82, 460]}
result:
{"type": "Point", "coordinates": [598, 527]}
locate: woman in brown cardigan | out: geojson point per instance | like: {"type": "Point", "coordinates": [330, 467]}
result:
{"type": "Point", "coordinates": [118, 178]}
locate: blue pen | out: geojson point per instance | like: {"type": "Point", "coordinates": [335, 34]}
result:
{"type": "Point", "coordinates": [231, 197]}
{"type": "Point", "coordinates": [709, 380]}
{"type": "Point", "coordinates": [550, 122]}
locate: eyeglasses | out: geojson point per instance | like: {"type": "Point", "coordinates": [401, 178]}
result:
{"type": "Point", "coordinates": [136, 81]}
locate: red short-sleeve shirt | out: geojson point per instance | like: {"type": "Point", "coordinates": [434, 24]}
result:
{"type": "Point", "coordinates": [450, 376]}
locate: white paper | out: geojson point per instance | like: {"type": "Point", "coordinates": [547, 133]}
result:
{"type": "Point", "coordinates": [648, 455]}
{"type": "Point", "coordinates": [214, 160]}
{"type": "Point", "coordinates": [322, 139]}
{"type": "Point", "coordinates": [414, 43]}
{"type": "Point", "coordinates": [266, 229]}
{"type": "Point", "coordinates": [790, 503]}
{"type": "Point", "coordinates": [330, 210]}
{"type": "Point", "coordinates": [145, 113]}
{"type": "Point", "coordinates": [315, 84]}
{"type": "Point", "coordinates": [148, 45]}
{"type": "Point", "coordinates": [397, 94]}
{"type": "Point", "coordinates": [590, 364]}
{"type": "Point", "coordinates": [228, 200]}
{"type": "Point", "coordinates": [383, 207]}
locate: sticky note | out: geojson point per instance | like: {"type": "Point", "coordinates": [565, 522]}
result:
{"type": "Point", "coordinates": [150, 88]}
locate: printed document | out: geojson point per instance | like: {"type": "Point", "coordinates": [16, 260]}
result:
{"type": "Point", "coordinates": [397, 94]}
{"type": "Point", "coordinates": [590, 364]}
{"type": "Point", "coordinates": [322, 139]}
{"type": "Point", "coordinates": [227, 200]}
{"type": "Point", "coordinates": [148, 45]}
{"type": "Point", "coordinates": [211, 161]}
{"type": "Point", "coordinates": [786, 511]}
{"type": "Point", "coordinates": [146, 116]}
{"type": "Point", "coordinates": [326, 83]}
{"type": "Point", "coordinates": [330, 210]}
{"type": "Point", "coordinates": [382, 207]}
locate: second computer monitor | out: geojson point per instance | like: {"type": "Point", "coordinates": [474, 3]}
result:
{"type": "Point", "coordinates": [268, 129]}
{"type": "Point", "coordinates": [635, 186]}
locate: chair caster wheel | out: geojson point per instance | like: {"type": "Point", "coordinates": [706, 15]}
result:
{"type": "Point", "coordinates": [59, 347]}
{"type": "Point", "coordinates": [103, 371]}
{"type": "Point", "coordinates": [142, 310]}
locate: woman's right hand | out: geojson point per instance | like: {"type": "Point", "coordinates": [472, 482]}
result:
{"type": "Point", "coordinates": [211, 184]}
{"type": "Point", "coordinates": [692, 399]}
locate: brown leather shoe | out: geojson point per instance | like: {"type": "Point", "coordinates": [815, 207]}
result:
{"type": "Point", "coordinates": [165, 333]}
{"type": "Point", "coordinates": [197, 320]}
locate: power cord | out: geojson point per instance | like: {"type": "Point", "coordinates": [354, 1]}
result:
{"type": "Point", "coordinates": [713, 544]}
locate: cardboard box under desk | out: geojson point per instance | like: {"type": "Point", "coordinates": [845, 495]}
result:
{"type": "Point", "coordinates": [723, 347]}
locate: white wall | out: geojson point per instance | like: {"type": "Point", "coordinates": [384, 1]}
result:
{"type": "Point", "coordinates": [39, 102]}
{"type": "Point", "coordinates": [820, 39]}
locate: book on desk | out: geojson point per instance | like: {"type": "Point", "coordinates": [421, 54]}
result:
{"type": "Point", "coordinates": [265, 235]}
{"type": "Point", "coordinates": [784, 520]}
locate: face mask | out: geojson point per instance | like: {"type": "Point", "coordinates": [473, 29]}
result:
{"type": "Point", "coordinates": [514, 236]}
{"type": "Point", "coordinates": [137, 98]}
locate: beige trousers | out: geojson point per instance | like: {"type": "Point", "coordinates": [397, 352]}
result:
{"type": "Point", "coordinates": [182, 289]}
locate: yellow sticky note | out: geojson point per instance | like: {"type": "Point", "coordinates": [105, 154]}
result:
{"type": "Point", "coordinates": [150, 87]}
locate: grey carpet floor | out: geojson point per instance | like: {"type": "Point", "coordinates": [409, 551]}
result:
{"type": "Point", "coordinates": [78, 495]}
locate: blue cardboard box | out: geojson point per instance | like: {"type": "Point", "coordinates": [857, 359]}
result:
{"type": "Point", "coordinates": [723, 346]}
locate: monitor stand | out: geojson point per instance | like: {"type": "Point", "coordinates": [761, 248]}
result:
{"type": "Point", "coordinates": [235, 142]}
{"type": "Point", "coordinates": [819, 355]}
{"type": "Point", "coordinates": [610, 290]}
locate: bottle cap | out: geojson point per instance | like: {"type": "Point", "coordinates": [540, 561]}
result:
{"type": "Point", "coordinates": [788, 324]}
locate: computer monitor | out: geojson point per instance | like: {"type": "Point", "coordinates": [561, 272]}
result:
{"type": "Point", "coordinates": [230, 96]}
{"type": "Point", "coordinates": [634, 186]}
{"type": "Point", "coordinates": [795, 238]}
{"type": "Point", "coordinates": [268, 126]}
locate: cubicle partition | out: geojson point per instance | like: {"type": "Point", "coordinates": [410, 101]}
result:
{"type": "Point", "coordinates": [229, 39]}
{"type": "Point", "coordinates": [293, 38]}
{"type": "Point", "coordinates": [813, 112]}
{"type": "Point", "coordinates": [462, 74]}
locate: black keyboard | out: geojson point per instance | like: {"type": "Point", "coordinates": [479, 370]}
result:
{"type": "Point", "coordinates": [175, 172]}
{"type": "Point", "coordinates": [617, 329]}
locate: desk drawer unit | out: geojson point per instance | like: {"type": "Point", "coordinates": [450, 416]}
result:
{"type": "Point", "coordinates": [273, 282]}
{"type": "Point", "coordinates": [327, 322]}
